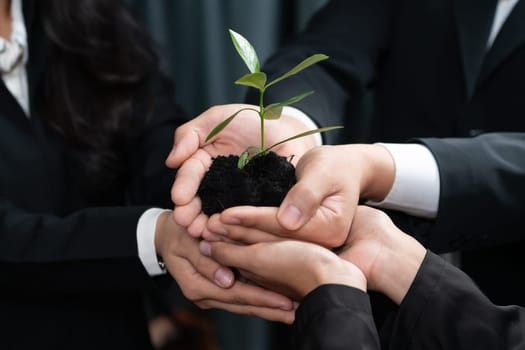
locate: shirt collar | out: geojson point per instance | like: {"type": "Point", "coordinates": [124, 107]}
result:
{"type": "Point", "coordinates": [18, 27]}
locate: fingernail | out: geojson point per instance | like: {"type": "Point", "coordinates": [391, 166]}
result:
{"type": "Point", "coordinates": [290, 217]}
{"type": "Point", "coordinates": [205, 248]}
{"type": "Point", "coordinates": [224, 277]}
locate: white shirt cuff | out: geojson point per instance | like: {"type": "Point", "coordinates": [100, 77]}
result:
{"type": "Point", "coordinates": [305, 119]}
{"type": "Point", "coordinates": [416, 184]}
{"type": "Point", "coordinates": [146, 241]}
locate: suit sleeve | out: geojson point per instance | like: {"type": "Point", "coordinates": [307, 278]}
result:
{"type": "Point", "coordinates": [444, 309]}
{"type": "Point", "coordinates": [354, 35]}
{"type": "Point", "coordinates": [92, 248]}
{"type": "Point", "coordinates": [335, 317]}
{"type": "Point", "coordinates": [482, 192]}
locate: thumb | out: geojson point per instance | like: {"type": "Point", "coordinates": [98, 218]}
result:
{"type": "Point", "coordinates": [304, 199]}
{"type": "Point", "coordinates": [186, 142]}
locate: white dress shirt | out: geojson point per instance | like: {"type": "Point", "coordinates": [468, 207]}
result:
{"type": "Point", "coordinates": [13, 57]}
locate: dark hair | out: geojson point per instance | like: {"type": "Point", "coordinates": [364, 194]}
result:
{"type": "Point", "coordinates": [98, 63]}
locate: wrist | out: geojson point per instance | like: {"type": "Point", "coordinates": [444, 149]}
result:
{"type": "Point", "coordinates": [397, 266]}
{"type": "Point", "coordinates": [377, 171]}
{"type": "Point", "coordinates": [161, 229]}
{"type": "Point", "coordinates": [340, 272]}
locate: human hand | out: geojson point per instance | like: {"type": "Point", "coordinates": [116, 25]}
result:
{"type": "Point", "coordinates": [388, 257]}
{"type": "Point", "coordinates": [195, 272]}
{"type": "Point", "coordinates": [320, 207]}
{"type": "Point", "coordinates": [292, 268]}
{"type": "Point", "coordinates": [194, 156]}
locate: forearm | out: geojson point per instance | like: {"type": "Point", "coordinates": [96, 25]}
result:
{"type": "Point", "coordinates": [335, 317]}
{"type": "Point", "coordinates": [480, 177]}
{"type": "Point", "coordinates": [445, 305]}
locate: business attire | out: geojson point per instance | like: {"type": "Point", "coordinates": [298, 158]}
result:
{"type": "Point", "coordinates": [70, 273]}
{"type": "Point", "coordinates": [443, 309]}
{"type": "Point", "coordinates": [406, 69]}
{"type": "Point", "coordinates": [480, 208]}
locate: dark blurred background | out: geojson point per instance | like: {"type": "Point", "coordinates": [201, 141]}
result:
{"type": "Point", "coordinates": [192, 38]}
{"type": "Point", "coordinates": [196, 52]}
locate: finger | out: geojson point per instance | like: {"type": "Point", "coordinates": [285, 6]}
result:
{"type": "Point", "coordinates": [269, 314]}
{"type": "Point", "coordinates": [189, 177]}
{"type": "Point", "coordinates": [238, 256]}
{"type": "Point", "coordinates": [328, 227]}
{"type": "Point", "coordinates": [261, 218]}
{"type": "Point", "coordinates": [240, 234]}
{"type": "Point", "coordinates": [249, 294]}
{"type": "Point", "coordinates": [305, 197]}
{"type": "Point", "coordinates": [203, 265]}
{"type": "Point", "coordinates": [198, 225]}
{"type": "Point", "coordinates": [211, 237]}
{"type": "Point", "coordinates": [251, 224]}
{"type": "Point", "coordinates": [184, 215]}
{"type": "Point", "coordinates": [186, 141]}
{"type": "Point", "coordinates": [196, 287]}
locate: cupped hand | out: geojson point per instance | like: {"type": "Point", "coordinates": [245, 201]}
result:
{"type": "Point", "coordinates": [195, 272]}
{"type": "Point", "coordinates": [292, 268]}
{"type": "Point", "coordinates": [193, 156]}
{"type": "Point", "coordinates": [321, 205]}
{"type": "Point", "coordinates": [388, 257]}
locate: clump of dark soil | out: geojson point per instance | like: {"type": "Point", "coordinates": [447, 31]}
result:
{"type": "Point", "coordinates": [264, 181]}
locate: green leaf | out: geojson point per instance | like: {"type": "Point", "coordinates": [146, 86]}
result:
{"type": "Point", "coordinates": [252, 150]}
{"type": "Point", "coordinates": [273, 111]}
{"type": "Point", "coordinates": [301, 66]}
{"type": "Point", "coordinates": [247, 155]}
{"type": "Point", "coordinates": [243, 160]}
{"type": "Point", "coordinates": [311, 132]}
{"type": "Point", "coordinates": [294, 99]}
{"type": "Point", "coordinates": [225, 122]}
{"type": "Point", "coordinates": [246, 51]}
{"type": "Point", "coordinates": [256, 80]}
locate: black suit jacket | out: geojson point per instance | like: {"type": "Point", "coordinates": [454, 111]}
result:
{"type": "Point", "coordinates": [443, 309]}
{"type": "Point", "coordinates": [481, 204]}
{"type": "Point", "coordinates": [70, 273]}
{"type": "Point", "coordinates": [403, 69]}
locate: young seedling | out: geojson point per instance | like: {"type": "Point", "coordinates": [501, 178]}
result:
{"type": "Point", "coordinates": [258, 80]}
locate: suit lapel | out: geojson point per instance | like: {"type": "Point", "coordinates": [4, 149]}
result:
{"type": "Point", "coordinates": [474, 21]}
{"type": "Point", "coordinates": [35, 37]}
{"type": "Point", "coordinates": [511, 37]}
{"type": "Point", "coordinates": [11, 109]}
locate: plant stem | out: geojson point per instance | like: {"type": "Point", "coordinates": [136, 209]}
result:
{"type": "Point", "coordinates": [261, 115]}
